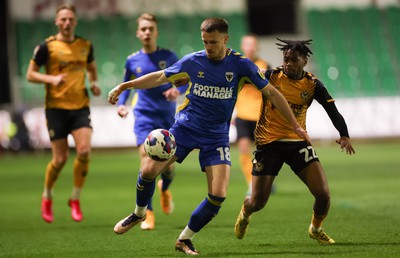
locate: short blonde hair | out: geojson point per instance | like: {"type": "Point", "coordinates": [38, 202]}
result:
{"type": "Point", "coordinates": [70, 7]}
{"type": "Point", "coordinates": [148, 17]}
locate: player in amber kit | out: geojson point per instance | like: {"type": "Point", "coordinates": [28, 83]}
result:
{"type": "Point", "coordinates": [248, 109]}
{"type": "Point", "coordinates": [66, 58]}
{"type": "Point", "coordinates": [277, 143]}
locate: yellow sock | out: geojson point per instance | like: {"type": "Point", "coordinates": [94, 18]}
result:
{"type": "Point", "coordinates": [51, 176]}
{"type": "Point", "coordinates": [246, 165]}
{"type": "Point", "coordinates": [81, 168]}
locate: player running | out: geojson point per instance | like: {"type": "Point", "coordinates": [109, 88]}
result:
{"type": "Point", "coordinates": [153, 108]}
{"type": "Point", "coordinates": [67, 59]}
{"type": "Point", "coordinates": [277, 143]}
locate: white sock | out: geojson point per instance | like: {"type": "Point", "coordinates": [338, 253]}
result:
{"type": "Point", "coordinates": [140, 211]}
{"type": "Point", "coordinates": [48, 193]}
{"type": "Point", "coordinates": [76, 193]}
{"type": "Point", "coordinates": [187, 233]}
{"type": "Point", "coordinates": [314, 229]}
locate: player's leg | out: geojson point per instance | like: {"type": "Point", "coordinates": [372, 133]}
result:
{"type": "Point", "coordinates": [167, 176]}
{"type": "Point", "coordinates": [82, 138]}
{"type": "Point", "coordinates": [149, 222]}
{"type": "Point", "coordinates": [166, 200]}
{"type": "Point", "coordinates": [58, 132]}
{"type": "Point", "coordinates": [314, 177]}
{"type": "Point", "coordinates": [266, 165]}
{"type": "Point", "coordinates": [144, 192]}
{"type": "Point", "coordinates": [245, 157]}
{"type": "Point", "coordinates": [245, 139]}
{"type": "Point", "coordinates": [59, 150]}
{"type": "Point", "coordinates": [218, 181]}
{"type": "Point", "coordinates": [261, 190]}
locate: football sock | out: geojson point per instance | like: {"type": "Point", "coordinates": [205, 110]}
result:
{"type": "Point", "coordinates": [167, 177]}
{"type": "Point", "coordinates": [140, 211]}
{"type": "Point", "coordinates": [48, 193]}
{"type": "Point", "coordinates": [314, 229]}
{"type": "Point", "coordinates": [144, 191]}
{"type": "Point", "coordinates": [187, 233]}
{"type": "Point", "coordinates": [76, 193]}
{"type": "Point", "coordinates": [81, 167]}
{"type": "Point", "coordinates": [203, 214]}
{"type": "Point", "coordinates": [150, 205]}
{"type": "Point", "coordinates": [316, 221]}
{"type": "Point", "coordinates": [51, 176]}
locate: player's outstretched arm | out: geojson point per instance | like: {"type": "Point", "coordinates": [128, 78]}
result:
{"type": "Point", "coordinates": [147, 81]}
{"type": "Point", "coordinates": [279, 101]}
{"type": "Point", "coordinates": [345, 144]}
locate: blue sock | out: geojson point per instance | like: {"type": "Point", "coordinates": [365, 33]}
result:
{"type": "Point", "coordinates": [150, 205]}
{"type": "Point", "coordinates": [167, 177]}
{"type": "Point", "coordinates": [203, 214]}
{"type": "Point", "coordinates": [144, 191]}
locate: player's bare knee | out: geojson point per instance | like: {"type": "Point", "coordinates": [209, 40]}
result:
{"type": "Point", "coordinates": [323, 201]}
{"type": "Point", "coordinates": [257, 204]}
{"type": "Point", "coordinates": [83, 152]}
{"type": "Point", "coordinates": [60, 160]}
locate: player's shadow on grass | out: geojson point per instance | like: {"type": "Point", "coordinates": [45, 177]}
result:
{"type": "Point", "coordinates": [368, 244]}
{"type": "Point", "coordinates": [272, 253]}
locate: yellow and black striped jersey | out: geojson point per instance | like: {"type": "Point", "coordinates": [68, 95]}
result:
{"type": "Point", "coordinates": [71, 58]}
{"type": "Point", "coordinates": [272, 126]}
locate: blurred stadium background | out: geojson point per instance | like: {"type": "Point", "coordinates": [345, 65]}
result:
{"type": "Point", "coordinates": [355, 44]}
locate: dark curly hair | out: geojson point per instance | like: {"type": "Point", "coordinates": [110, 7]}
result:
{"type": "Point", "coordinates": [299, 45]}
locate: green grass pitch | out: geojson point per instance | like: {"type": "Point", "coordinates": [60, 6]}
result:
{"type": "Point", "coordinates": [364, 216]}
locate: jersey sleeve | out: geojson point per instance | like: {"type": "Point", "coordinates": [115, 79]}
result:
{"type": "Point", "coordinates": [41, 54]}
{"type": "Point", "coordinates": [175, 71]}
{"type": "Point", "coordinates": [328, 103]}
{"type": "Point", "coordinates": [91, 54]}
{"type": "Point", "coordinates": [127, 72]}
{"type": "Point", "coordinates": [268, 73]}
{"type": "Point", "coordinates": [253, 74]}
{"type": "Point", "coordinates": [127, 77]}
{"type": "Point", "coordinates": [173, 59]}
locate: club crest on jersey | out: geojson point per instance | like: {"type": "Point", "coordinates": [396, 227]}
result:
{"type": "Point", "coordinates": [162, 64]}
{"type": "Point", "coordinates": [200, 74]}
{"type": "Point", "coordinates": [261, 74]}
{"type": "Point", "coordinates": [139, 69]}
{"type": "Point", "coordinates": [229, 76]}
{"type": "Point", "coordinates": [304, 95]}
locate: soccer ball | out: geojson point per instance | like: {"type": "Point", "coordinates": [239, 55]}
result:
{"type": "Point", "coordinates": [160, 145]}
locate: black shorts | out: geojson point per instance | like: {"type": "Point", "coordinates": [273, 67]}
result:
{"type": "Point", "coordinates": [61, 122]}
{"type": "Point", "coordinates": [245, 128]}
{"type": "Point", "coordinates": [269, 158]}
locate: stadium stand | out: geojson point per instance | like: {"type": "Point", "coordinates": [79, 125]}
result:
{"type": "Point", "coordinates": [359, 50]}
{"type": "Point", "coordinates": [114, 38]}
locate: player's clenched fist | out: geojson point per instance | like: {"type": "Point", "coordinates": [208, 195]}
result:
{"type": "Point", "coordinates": [113, 95]}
